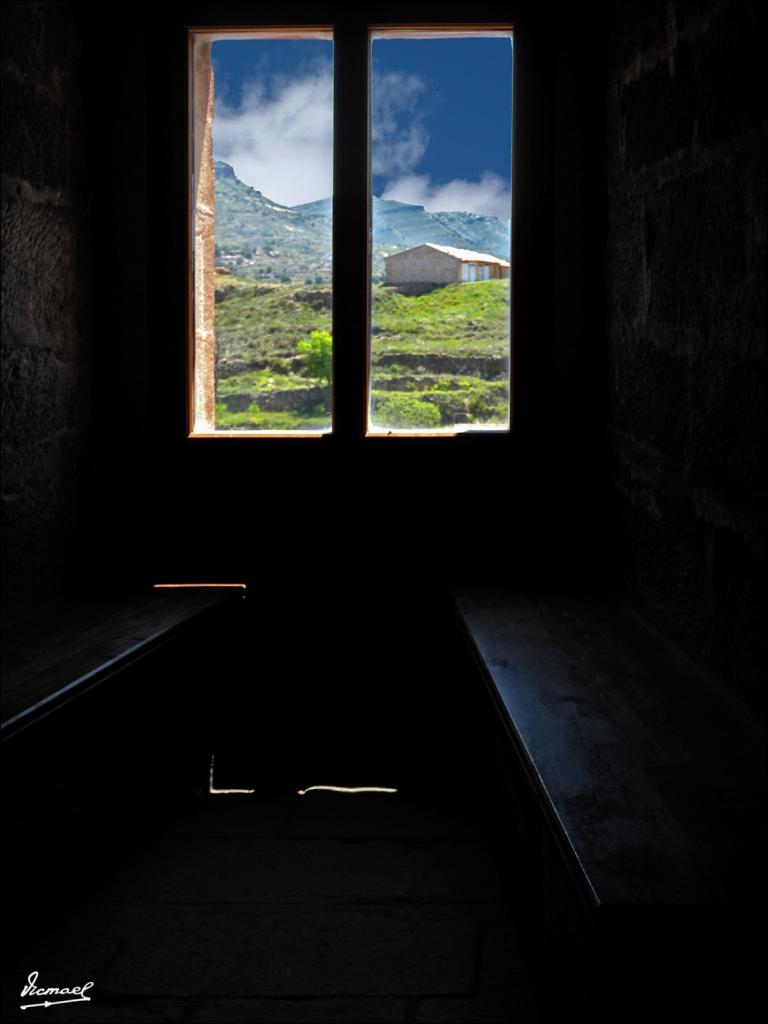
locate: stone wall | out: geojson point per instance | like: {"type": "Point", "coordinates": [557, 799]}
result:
{"type": "Point", "coordinates": [45, 308]}
{"type": "Point", "coordinates": [686, 320]}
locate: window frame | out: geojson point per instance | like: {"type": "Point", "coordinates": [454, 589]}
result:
{"type": "Point", "coordinates": [352, 221]}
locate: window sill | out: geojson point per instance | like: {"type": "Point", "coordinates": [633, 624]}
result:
{"type": "Point", "coordinates": [305, 434]}
{"type": "Point", "coordinates": [195, 435]}
{"type": "Point", "coordinates": [467, 432]}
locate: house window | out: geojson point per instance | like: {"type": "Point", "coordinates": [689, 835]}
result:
{"type": "Point", "coordinates": [272, 353]}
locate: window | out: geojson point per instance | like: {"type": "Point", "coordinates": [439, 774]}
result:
{"type": "Point", "coordinates": [261, 201]}
{"type": "Point", "coordinates": [284, 270]}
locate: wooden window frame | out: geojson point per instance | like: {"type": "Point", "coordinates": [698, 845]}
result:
{"type": "Point", "coordinates": [351, 231]}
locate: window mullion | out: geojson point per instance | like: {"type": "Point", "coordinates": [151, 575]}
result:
{"type": "Point", "coordinates": [351, 229]}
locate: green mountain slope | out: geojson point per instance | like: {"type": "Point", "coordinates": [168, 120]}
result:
{"type": "Point", "coordinates": [259, 239]}
{"type": "Point", "coordinates": [401, 225]}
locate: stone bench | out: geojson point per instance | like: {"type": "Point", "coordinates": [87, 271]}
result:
{"type": "Point", "coordinates": [106, 718]}
{"type": "Point", "coordinates": [648, 773]}
{"type": "Point", "coordinates": [60, 652]}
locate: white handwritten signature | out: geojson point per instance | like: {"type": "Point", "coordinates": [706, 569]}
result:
{"type": "Point", "coordinates": [31, 989]}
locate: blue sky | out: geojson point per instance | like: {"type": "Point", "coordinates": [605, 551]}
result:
{"type": "Point", "coordinates": [441, 120]}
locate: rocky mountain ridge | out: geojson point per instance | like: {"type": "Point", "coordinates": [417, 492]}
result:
{"type": "Point", "coordinates": [259, 239]}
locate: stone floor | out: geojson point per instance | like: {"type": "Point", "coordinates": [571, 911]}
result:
{"type": "Point", "coordinates": [323, 907]}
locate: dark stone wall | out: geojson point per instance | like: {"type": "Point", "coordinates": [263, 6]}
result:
{"type": "Point", "coordinates": [99, 475]}
{"type": "Point", "coordinates": [686, 167]}
{"type": "Point", "coordinates": [45, 302]}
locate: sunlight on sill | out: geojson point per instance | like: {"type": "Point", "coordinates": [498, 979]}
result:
{"type": "Point", "coordinates": [213, 791]}
{"type": "Point", "coordinates": [198, 586]}
{"type": "Point", "coordinates": [346, 789]}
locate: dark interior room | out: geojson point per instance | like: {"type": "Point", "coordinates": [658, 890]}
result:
{"type": "Point", "coordinates": [541, 651]}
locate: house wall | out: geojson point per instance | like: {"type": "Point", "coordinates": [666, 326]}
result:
{"type": "Point", "coordinates": [422, 266]}
{"type": "Point", "coordinates": [495, 271]}
{"type": "Point", "coordinates": [686, 164]}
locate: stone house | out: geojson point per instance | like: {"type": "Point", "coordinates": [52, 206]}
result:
{"type": "Point", "coordinates": [442, 264]}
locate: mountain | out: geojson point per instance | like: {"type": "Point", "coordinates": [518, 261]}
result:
{"type": "Point", "coordinates": [260, 239]}
{"type": "Point", "coordinates": [401, 225]}
{"type": "Point", "coordinates": [257, 238]}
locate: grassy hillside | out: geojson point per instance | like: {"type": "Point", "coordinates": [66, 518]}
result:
{"type": "Point", "coordinates": [255, 321]}
{"type": "Point", "coordinates": [437, 358]}
{"type": "Point", "coordinates": [466, 318]}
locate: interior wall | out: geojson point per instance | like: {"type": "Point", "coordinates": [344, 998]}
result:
{"type": "Point", "coordinates": [398, 517]}
{"type": "Point", "coordinates": [141, 502]}
{"type": "Point", "coordinates": [686, 170]}
{"type": "Point", "coordinates": [635, 455]}
{"type": "Point", "coordinates": [46, 298]}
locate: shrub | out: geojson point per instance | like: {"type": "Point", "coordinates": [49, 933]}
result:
{"type": "Point", "coordinates": [318, 348]}
{"type": "Point", "coordinates": [402, 411]}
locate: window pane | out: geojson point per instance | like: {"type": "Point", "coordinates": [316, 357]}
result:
{"type": "Point", "coordinates": [263, 343]}
{"type": "Point", "coordinates": [441, 148]}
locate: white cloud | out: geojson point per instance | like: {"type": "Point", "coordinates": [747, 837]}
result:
{"type": "Point", "coordinates": [281, 142]}
{"type": "Point", "coordinates": [490, 195]}
{"type": "Point", "coordinates": [398, 147]}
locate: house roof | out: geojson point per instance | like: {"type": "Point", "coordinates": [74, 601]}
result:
{"type": "Point", "coordinates": [465, 255]}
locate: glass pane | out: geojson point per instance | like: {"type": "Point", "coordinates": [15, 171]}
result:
{"type": "Point", "coordinates": [441, 165]}
{"type": "Point", "coordinates": [271, 161]}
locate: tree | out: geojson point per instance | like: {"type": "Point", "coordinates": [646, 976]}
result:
{"type": "Point", "coordinates": [318, 348]}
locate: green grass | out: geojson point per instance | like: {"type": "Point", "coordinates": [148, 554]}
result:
{"type": "Point", "coordinates": [475, 401]}
{"type": "Point", "coordinates": [253, 419]}
{"type": "Point", "coordinates": [469, 319]}
{"type": "Point", "coordinates": [258, 321]}
{"type": "Point", "coordinates": [261, 381]}
{"type": "Point", "coordinates": [403, 411]}
{"type": "Point", "coordinates": [264, 323]}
